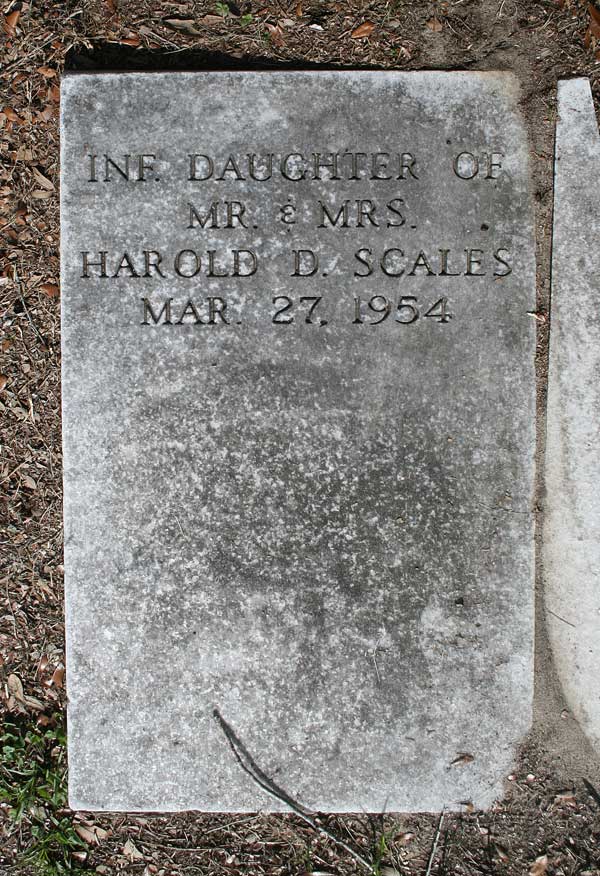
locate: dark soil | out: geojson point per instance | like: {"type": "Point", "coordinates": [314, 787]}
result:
{"type": "Point", "coordinates": [549, 820]}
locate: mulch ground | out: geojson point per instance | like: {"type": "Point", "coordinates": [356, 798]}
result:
{"type": "Point", "coordinates": [549, 820]}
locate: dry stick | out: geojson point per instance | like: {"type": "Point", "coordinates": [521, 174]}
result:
{"type": "Point", "coordinates": [592, 791]}
{"type": "Point", "coordinates": [17, 282]}
{"type": "Point", "coordinates": [553, 613]}
{"type": "Point", "coordinates": [11, 473]}
{"type": "Point", "coordinates": [435, 844]}
{"type": "Point", "coordinates": [20, 61]}
{"type": "Point", "coordinates": [249, 766]}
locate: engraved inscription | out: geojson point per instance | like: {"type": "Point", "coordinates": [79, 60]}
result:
{"type": "Point", "coordinates": [355, 194]}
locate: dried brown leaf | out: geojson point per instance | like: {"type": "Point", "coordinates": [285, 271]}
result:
{"type": "Point", "coordinates": [276, 34]}
{"type": "Point", "coordinates": [15, 687]}
{"type": "Point", "coordinates": [299, 10]}
{"type": "Point", "coordinates": [594, 13]}
{"type": "Point", "coordinates": [46, 114]}
{"type": "Point", "coordinates": [58, 676]}
{"type": "Point", "coordinates": [501, 853]}
{"type": "Point", "coordinates": [43, 664]}
{"type": "Point", "coordinates": [132, 852]}
{"type": "Point", "coordinates": [50, 289]}
{"type": "Point", "coordinates": [34, 703]}
{"type": "Point", "coordinates": [183, 25]}
{"type": "Point", "coordinates": [28, 482]}
{"type": "Point", "coordinates": [3, 381]}
{"type": "Point", "coordinates": [434, 24]}
{"type": "Point", "coordinates": [404, 53]}
{"type": "Point", "coordinates": [42, 180]}
{"type": "Point", "coordinates": [566, 797]}
{"type": "Point", "coordinates": [46, 72]}
{"type": "Point", "coordinates": [131, 41]}
{"type": "Point", "coordinates": [92, 835]}
{"type": "Point", "coordinates": [11, 115]}
{"type": "Point", "coordinates": [363, 30]}
{"type": "Point", "coordinates": [41, 194]}
{"type": "Point", "coordinates": [462, 758]}
{"type": "Point", "coordinates": [539, 866]}
{"type": "Point", "coordinates": [594, 28]}
{"type": "Point", "coordinates": [10, 21]}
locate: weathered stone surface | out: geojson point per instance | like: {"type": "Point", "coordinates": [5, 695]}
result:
{"type": "Point", "coordinates": [320, 528]}
{"type": "Point", "coordinates": [571, 541]}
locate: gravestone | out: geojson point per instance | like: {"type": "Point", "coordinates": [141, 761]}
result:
{"type": "Point", "coordinates": [298, 437]}
{"type": "Point", "coordinates": [571, 537]}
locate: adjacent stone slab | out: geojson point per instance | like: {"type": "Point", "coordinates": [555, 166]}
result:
{"type": "Point", "coordinates": [298, 435]}
{"type": "Point", "coordinates": [571, 552]}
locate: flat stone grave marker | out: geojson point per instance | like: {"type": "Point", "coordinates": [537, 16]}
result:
{"type": "Point", "coordinates": [298, 437]}
{"type": "Point", "coordinates": [571, 542]}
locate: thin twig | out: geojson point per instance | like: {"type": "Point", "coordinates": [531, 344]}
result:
{"type": "Point", "coordinates": [11, 473]}
{"type": "Point", "coordinates": [554, 614]}
{"type": "Point", "coordinates": [10, 67]}
{"type": "Point", "coordinates": [252, 769]}
{"type": "Point", "coordinates": [17, 281]}
{"type": "Point", "coordinates": [592, 791]}
{"type": "Point", "coordinates": [435, 844]}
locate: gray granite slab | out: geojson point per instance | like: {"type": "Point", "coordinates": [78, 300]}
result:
{"type": "Point", "coordinates": [298, 446]}
{"type": "Point", "coordinates": [571, 543]}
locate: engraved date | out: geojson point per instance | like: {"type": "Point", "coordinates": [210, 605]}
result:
{"type": "Point", "coordinates": [307, 304]}
{"type": "Point", "coordinates": [372, 311]}
{"type": "Point", "coordinates": [406, 310]}
{"type": "Point", "coordinates": [287, 310]}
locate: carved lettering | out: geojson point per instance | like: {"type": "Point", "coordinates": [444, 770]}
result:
{"type": "Point", "coordinates": [220, 214]}
{"type": "Point", "coordinates": [306, 263]}
{"type": "Point", "coordinates": [400, 258]}
{"type": "Point", "coordinates": [132, 168]}
{"type": "Point", "coordinates": [163, 315]}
